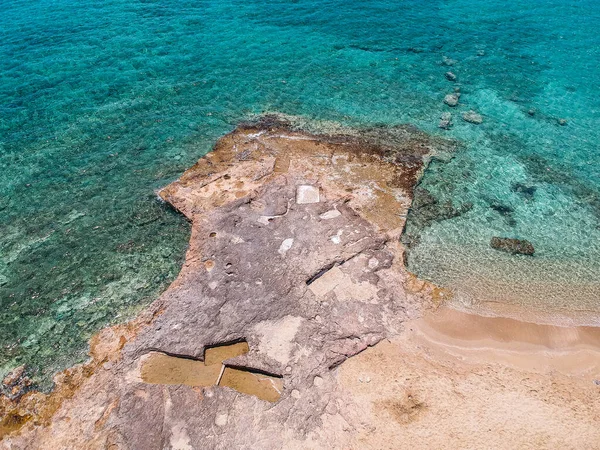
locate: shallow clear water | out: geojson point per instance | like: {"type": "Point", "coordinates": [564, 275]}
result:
{"type": "Point", "coordinates": [102, 102]}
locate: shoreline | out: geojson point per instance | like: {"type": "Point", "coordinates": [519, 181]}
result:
{"type": "Point", "coordinates": [516, 343]}
{"type": "Point", "coordinates": [558, 318]}
{"type": "Point", "coordinates": [321, 288]}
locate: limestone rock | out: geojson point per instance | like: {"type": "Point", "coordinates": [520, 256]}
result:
{"type": "Point", "coordinates": [307, 194]}
{"type": "Point", "coordinates": [16, 383]}
{"type": "Point", "coordinates": [448, 61]}
{"type": "Point", "coordinates": [294, 266]}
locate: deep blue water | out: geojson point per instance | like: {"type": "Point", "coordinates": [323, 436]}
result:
{"type": "Point", "coordinates": [102, 102]}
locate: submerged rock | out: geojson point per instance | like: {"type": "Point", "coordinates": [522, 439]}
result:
{"type": "Point", "coordinates": [524, 189]}
{"type": "Point", "coordinates": [16, 383]}
{"type": "Point", "coordinates": [512, 246]}
{"type": "Point", "coordinates": [14, 376]}
{"type": "Point", "coordinates": [426, 209]}
{"type": "Point", "coordinates": [448, 61]}
{"type": "Point", "coordinates": [504, 210]}
{"type": "Point", "coordinates": [445, 121]}
{"type": "Point", "coordinates": [472, 117]}
{"type": "Point", "coordinates": [501, 208]}
{"type": "Point", "coordinates": [452, 99]}
{"type": "Point", "coordinates": [450, 76]}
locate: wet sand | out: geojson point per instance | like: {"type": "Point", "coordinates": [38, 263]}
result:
{"type": "Point", "coordinates": [526, 345]}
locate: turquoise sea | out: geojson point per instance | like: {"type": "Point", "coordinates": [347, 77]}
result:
{"type": "Point", "coordinates": [103, 102]}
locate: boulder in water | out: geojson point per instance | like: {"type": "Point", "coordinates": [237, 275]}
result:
{"type": "Point", "coordinates": [450, 76]}
{"type": "Point", "coordinates": [448, 61]}
{"type": "Point", "coordinates": [472, 117]}
{"type": "Point", "coordinates": [452, 99]}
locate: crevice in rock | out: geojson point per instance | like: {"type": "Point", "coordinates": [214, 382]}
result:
{"type": "Point", "coordinates": [346, 357]}
{"type": "Point", "coordinates": [322, 271]}
{"type": "Point", "coordinates": [253, 370]}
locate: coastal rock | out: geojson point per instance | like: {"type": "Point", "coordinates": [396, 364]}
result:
{"type": "Point", "coordinates": [16, 383]}
{"type": "Point", "coordinates": [504, 210]}
{"type": "Point", "coordinates": [452, 99]}
{"type": "Point", "coordinates": [472, 117]}
{"type": "Point", "coordinates": [512, 246]}
{"type": "Point", "coordinates": [307, 194]}
{"type": "Point", "coordinates": [426, 210]}
{"type": "Point", "coordinates": [526, 190]}
{"type": "Point", "coordinates": [294, 266]}
{"type": "Point", "coordinates": [450, 76]}
{"type": "Point", "coordinates": [13, 376]}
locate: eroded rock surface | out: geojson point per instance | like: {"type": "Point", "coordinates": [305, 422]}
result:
{"type": "Point", "coordinates": [294, 251]}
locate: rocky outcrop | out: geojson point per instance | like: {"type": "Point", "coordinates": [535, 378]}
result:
{"type": "Point", "coordinates": [294, 265]}
{"type": "Point", "coordinates": [288, 326]}
{"type": "Point", "coordinates": [426, 210]}
{"type": "Point", "coordinates": [16, 383]}
{"type": "Point", "coordinates": [448, 61]}
{"type": "Point", "coordinates": [512, 246]}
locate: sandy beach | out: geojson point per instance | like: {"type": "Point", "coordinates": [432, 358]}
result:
{"type": "Point", "coordinates": [454, 380]}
